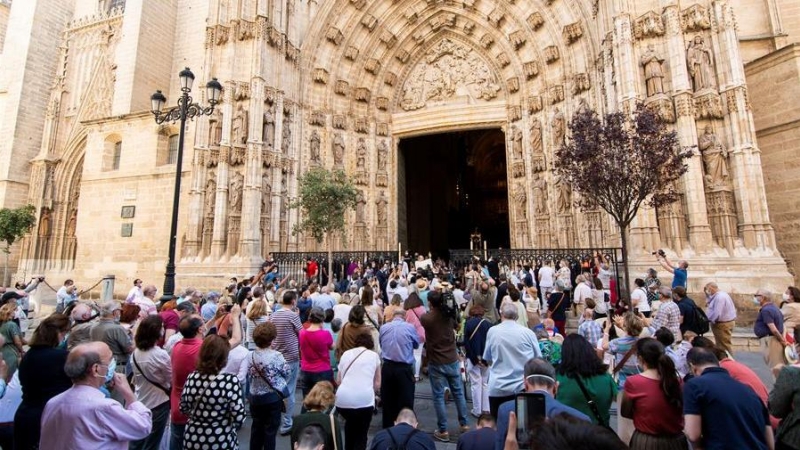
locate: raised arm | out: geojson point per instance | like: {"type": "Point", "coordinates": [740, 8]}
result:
{"type": "Point", "coordinates": [664, 261]}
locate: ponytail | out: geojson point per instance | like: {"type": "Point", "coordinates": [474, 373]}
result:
{"type": "Point", "coordinates": [670, 383]}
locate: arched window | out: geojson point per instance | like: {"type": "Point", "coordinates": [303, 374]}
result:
{"type": "Point", "coordinates": [172, 155]}
{"type": "Point", "coordinates": [115, 157]}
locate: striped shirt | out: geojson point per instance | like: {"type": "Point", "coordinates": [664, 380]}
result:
{"type": "Point", "coordinates": [288, 325]}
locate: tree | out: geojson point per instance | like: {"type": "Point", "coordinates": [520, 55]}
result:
{"type": "Point", "coordinates": [619, 163]}
{"type": "Point", "coordinates": [14, 224]}
{"type": "Point", "coordinates": [323, 199]}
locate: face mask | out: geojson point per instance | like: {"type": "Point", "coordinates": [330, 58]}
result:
{"type": "Point", "coordinates": [112, 367]}
{"type": "Point", "coordinates": [756, 301]}
{"type": "Point", "coordinates": [785, 297]}
{"type": "Point", "coordinates": [63, 343]}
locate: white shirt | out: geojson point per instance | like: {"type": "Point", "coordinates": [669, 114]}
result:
{"type": "Point", "coordinates": [459, 295]}
{"type": "Point", "coordinates": [546, 274]}
{"type": "Point", "coordinates": [156, 365]}
{"type": "Point", "coordinates": [582, 292]}
{"type": "Point", "coordinates": [639, 300]}
{"type": "Point", "coordinates": [11, 400]}
{"type": "Point", "coordinates": [134, 295]}
{"type": "Point", "coordinates": [342, 312]}
{"type": "Point", "coordinates": [357, 379]}
{"type": "Point", "coordinates": [237, 362]}
{"type": "Point", "coordinates": [402, 291]}
{"type": "Point", "coordinates": [174, 339]}
{"type": "Point", "coordinates": [605, 277]}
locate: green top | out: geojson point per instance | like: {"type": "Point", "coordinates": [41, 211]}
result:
{"type": "Point", "coordinates": [601, 388]}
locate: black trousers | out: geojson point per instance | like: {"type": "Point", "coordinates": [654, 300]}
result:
{"type": "Point", "coordinates": [397, 389]}
{"type": "Point", "coordinates": [495, 402]}
{"type": "Point", "coordinates": [356, 427]}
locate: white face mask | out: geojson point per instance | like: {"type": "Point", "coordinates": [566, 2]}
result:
{"type": "Point", "coordinates": [785, 297]}
{"type": "Point", "coordinates": [756, 301]}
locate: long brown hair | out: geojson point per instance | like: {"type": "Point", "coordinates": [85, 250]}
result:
{"type": "Point", "coordinates": [213, 355]}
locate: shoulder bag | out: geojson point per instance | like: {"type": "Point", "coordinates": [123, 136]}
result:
{"type": "Point", "coordinates": [550, 312]}
{"type": "Point", "coordinates": [625, 358]}
{"type": "Point", "coordinates": [269, 397]}
{"type": "Point", "coordinates": [344, 372]}
{"type": "Point", "coordinates": [141, 372]}
{"type": "Point", "coordinates": [592, 405]}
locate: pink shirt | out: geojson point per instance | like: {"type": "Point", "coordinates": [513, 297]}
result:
{"type": "Point", "coordinates": [82, 417]}
{"type": "Point", "coordinates": [314, 350]}
{"type": "Point", "coordinates": [184, 361]}
{"type": "Point", "coordinates": [412, 317]}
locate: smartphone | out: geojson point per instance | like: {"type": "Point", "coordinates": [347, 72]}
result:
{"type": "Point", "coordinates": [636, 310]}
{"type": "Point", "coordinates": [228, 308]}
{"type": "Point", "coordinates": [530, 409]}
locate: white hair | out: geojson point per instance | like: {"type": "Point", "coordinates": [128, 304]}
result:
{"type": "Point", "coordinates": [509, 311]}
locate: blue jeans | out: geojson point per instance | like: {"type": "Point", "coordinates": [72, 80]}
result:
{"type": "Point", "coordinates": [291, 385]}
{"type": "Point", "coordinates": [176, 436]}
{"type": "Point", "coordinates": [443, 376]}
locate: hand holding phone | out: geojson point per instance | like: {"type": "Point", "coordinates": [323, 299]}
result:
{"type": "Point", "coordinates": [530, 411]}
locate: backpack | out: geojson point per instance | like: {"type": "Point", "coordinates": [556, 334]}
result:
{"type": "Point", "coordinates": [701, 322]}
{"type": "Point", "coordinates": [402, 446]}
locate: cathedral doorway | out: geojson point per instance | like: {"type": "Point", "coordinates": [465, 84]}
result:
{"type": "Point", "coordinates": [451, 184]}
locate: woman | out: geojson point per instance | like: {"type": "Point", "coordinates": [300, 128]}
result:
{"type": "Point", "coordinates": [12, 348]}
{"type": "Point", "coordinates": [317, 404]}
{"type": "Point", "coordinates": [267, 373]}
{"type": "Point", "coordinates": [565, 275]}
{"type": "Point", "coordinates": [315, 360]}
{"type": "Point", "coordinates": [791, 308]}
{"type": "Point", "coordinates": [654, 400]}
{"type": "Point", "coordinates": [359, 368]}
{"type": "Point", "coordinates": [42, 377]}
{"type": "Point", "coordinates": [374, 315]}
{"type": "Point", "coordinates": [623, 349]}
{"type": "Point", "coordinates": [599, 297]}
{"type": "Point", "coordinates": [557, 305]}
{"type": "Point", "coordinates": [259, 313]}
{"type": "Point", "coordinates": [475, 331]}
{"type": "Point", "coordinates": [784, 403]}
{"type": "Point", "coordinates": [352, 329]}
{"type": "Point", "coordinates": [152, 374]}
{"type": "Point", "coordinates": [583, 378]}
{"type": "Point", "coordinates": [513, 297]}
{"type": "Point", "coordinates": [395, 304]}
{"type": "Point", "coordinates": [414, 310]}
{"type": "Point", "coordinates": [342, 309]}
{"type": "Point", "coordinates": [212, 400]}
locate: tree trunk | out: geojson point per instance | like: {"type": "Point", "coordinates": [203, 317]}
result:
{"type": "Point", "coordinates": [626, 282]}
{"type": "Point", "coordinates": [330, 258]}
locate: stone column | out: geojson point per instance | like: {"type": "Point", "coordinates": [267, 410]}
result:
{"type": "Point", "coordinates": [250, 242]}
{"type": "Point", "coordinates": [191, 246]}
{"type": "Point", "coordinates": [277, 186]}
{"type": "Point", "coordinates": [219, 240]}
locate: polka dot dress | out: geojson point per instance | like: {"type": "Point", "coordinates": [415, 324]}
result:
{"type": "Point", "coordinates": [216, 410]}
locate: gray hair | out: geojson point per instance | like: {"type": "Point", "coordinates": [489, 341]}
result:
{"type": "Point", "coordinates": [258, 292]}
{"type": "Point", "coordinates": [325, 289]}
{"type": "Point", "coordinates": [540, 372]}
{"type": "Point", "coordinates": [765, 293]}
{"type": "Point", "coordinates": [509, 311]}
{"type": "Point", "coordinates": [77, 367]}
{"type": "Point", "coordinates": [665, 292]}
{"type": "Point", "coordinates": [109, 307]}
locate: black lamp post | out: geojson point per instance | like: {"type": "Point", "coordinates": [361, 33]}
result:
{"type": "Point", "coordinates": [185, 110]}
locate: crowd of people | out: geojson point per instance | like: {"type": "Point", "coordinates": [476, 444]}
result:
{"type": "Point", "coordinates": [187, 372]}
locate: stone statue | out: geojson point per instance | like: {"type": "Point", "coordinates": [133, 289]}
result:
{"type": "Point", "coordinates": [564, 199]}
{"type": "Point", "coordinates": [235, 191]}
{"type": "Point", "coordinates": [287, 138]}
{"type": "Point", "coordinates": [211, 193]}
{"type": "Point", "coordinates": [239, 126]}
{"type": "Point", "coordinates": [540, 197]}
{"type": "Point", "coordinates": [314, 146]}
{"type": "Point", "coordinates": [338, 149]}
{"type": "Point", "coordinates": [72, 222]}
{"type": "Point", "coordinates": [559, 127]}
{"type": "Point", "coordinates": [383, 152]}
{"type": "Point", "coordinates": [653, 71]}
{"type": "Point", "coordinates": [268, 127]}
{"type": "Point", "coordinates": [361, 204]}
{"type": "Point", "coordinates": [520, 203]}
{"type": "Point", "coordinates": [215, 130]}
{"type": "Point", "coordinates": [44, 223]}
{"type": "Point", "coordinates": [381, 203]}
{"type": "Point", "coordinates": [536, 137]}
{"type": "Point", "coordinates": [266, 193]}
{"type": "Point", "coordinates": [715, 158]}
{"type": "Point", "coordinates": [699, 59]}
{"type": "Point", "coordinates": [361, 154]}
{"type": "Point", "coordinates": [516, 136]}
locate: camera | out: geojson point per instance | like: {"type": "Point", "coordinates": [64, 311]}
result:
{"type": "Point", "coordinates": [41, 279]}
{"type": "Point", "coordinates": [659, 252]}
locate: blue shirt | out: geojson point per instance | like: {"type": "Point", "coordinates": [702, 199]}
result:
{"type": "Point", "coordinates": [732, 414]}
{"type": "Point", "coordinates": [324, 301]}
{"type": "Point", "coordinates": [208, 311]}
{"type": "Point", "coordinates": [419, 441]}
{"type": "Point", "coordinates": [768, 314]}
{"type": "Point", "coordinates": [552, 408]}
{"type": "Point", "coordinates": [475, 332]}
{"type": "Point", "coordinates": [679, 277]}
{"type": "Point", "coordinates": [398, 340]}
{"type": "Point", "coordinates": [480, 439]}
{"type": "Point", "coordinates": [509, 346]}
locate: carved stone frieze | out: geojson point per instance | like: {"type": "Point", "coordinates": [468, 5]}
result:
{"type": "Point", "coordinates": [419, 36]}
{"type": "Point", "coordinates": [351, 53]}
{"type": "Point", "coordinates": [496, 17]}
{"type": "Point", "coordinates": [382, 129]}
{"type": "Point", "coordinates": [708, 106]}
{"type": "Point", "coordinates": [317, 118]}
{"type": "Point", "coordinates": [334, 35]}
{"type": "Point", "coordinates": [535, 21]}
{"type": "Point", "coordinates": [320, 75]}
{"type": "Point", "coordinates": [684, 105]}
{"type": "Point", "coordinates": [402, 56]}
{"type": "Point", "coordinates": [269, 94]}
{"type": "Point", "coordinates": [224, 154]}
{"type": "Point", "coordinates": [276, 38]}
{"type": "Point", "coordinates": [556, 94]}
{"type": "Point", "coordinates": [551, 54]}
{"type": "Point", "coordinates": [514, 112]}
{"type": "Point", "coordinates": [518, 169]}
{"type": "Point", "coordinates": [390, 79]}
{"type": "Point", "coordinates": [372, 66]}
{"type": "Point", "coordinates": [662, 105]}
{"type": "Point", "coordinates": [695, 18]}
{"type": "Point", "coordinates": [648, 25]}
{"type": "Point", "coordinates": [442, 20]}
{"type": "Point", "coordinates": [342, 87]}
{"type": "Point", "coordinates": [512, 84]}
{"type": "Point", "coordinates": [411, 15]}
{"type": "Point", "coordinates": [572, 32]}
{"type": "Point", "coordinates": [580, 83]}
{"type": "Point", "coordinates": [362, 95]}
{"type": "Point", "coordinates": [369, 22]}
{"type": "Point", "coordinates": [468, 27]}
{"type": "Point", "coordinates": [388, 39]}
{"type": "Point", "coordinates": [292, 52]}
{"type": "Point", "coordinates": [534, 103]}
{"type": "Point", "coordinates": [487, 40]}
{"type": "Point", "coordinates": [503, 59]}
{"type": "Point", "coordinates": [340, 122]}
{"type": "Point", "coordinates": [517, 39]}
{"type": "Point", "coordinates": [531, 69]}
{"type": "Point", "coordinates": [362, 125]}
{"type": "Point", "coordinates": [448, 69]}
{"type": "Point", "coordinates": [245, 29]}
{"type": "Point", "coordinates": [382, 103]}
{"type": "Point", "coordinates": [469, 4]}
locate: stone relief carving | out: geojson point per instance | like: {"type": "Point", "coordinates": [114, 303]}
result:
{"type": "Point", "coordinates": [516, 142]}
{"type": "Point", "coordinates": [512, 84]}
{"type": "Point", "coordinates": [314, 146]}
{"type": "Point", "coordinates": [551, 54]}
{"type": "Point", "coordinates": [235, 191]}
{"type": "Point", "coordinates": [580, 83]}
{"type": "Point", "coordinates": [320, 75]}
{"type": "Point", "coordinates": [383, 154]}
{"type": "Point", "coordinates": [340, 122]}
{"type": "Point", "coordinates": [648, 25]}
{"type": "Point", "coordinates": [211, 194]}
{"type": "Point", "coordinates": [715, 159]}
{"type": "Point", "coordinates": [369, 22]}
{"type": "Point", "coordinates": [520, 202]}
{"type": "Point", "coordinates": [503, 59]}
{"type": "Point", "coordinates": [695, 18]}
{"type": "Point", "coordinates": [572, 32]}
{"type": "Point", "coordinates": [266, 192]}
{"type": "Point", "coordinates": [361, 206]}
{"type": "Point", "coordinates": [382, 103]}
{"type": "Point", "coordinates": [388, 39]}
{"type": "Point", "coordinates": [286, 137]}
{"type": "Point", "coordinates": [351, 53]}
{"type": "Point", "coordinates": [334, 35]}
{"type": "Point", "coordinates": [535, 104]}
{"type": "Point", "coordinates": [487, 41]}
{"type": "Point", "coordinates": [362, 125]}
{"type": "Point", "coordinates": [361, 154]}
{"type": "Point", "coordinates": [556, 94]}
{"type": "Point", "coordinates": [372, 66]}
{"type": "Point", "coordinates": [540, 196]}
{"type": "Point", "coordinates": [559, 125]}
{"type": "Point", "coordinates": [531, 69]}
{"type": "Point", "coordinates": [564, 197]}
{"type": "Point", "coordinates": [496, 17]}
{"type": "Point", "coordinates": [514, 112]}
{"type": "Point", "coordinates": [338, 149]}
{"type": "Point", "coordinates": [653, 71]}
{"type": "Point", "coordinates": [342, 87]}
{"type": "Point", "coordinates": [390, 79]}
{"type": "Point", "coordinates": [517, 39]}
{"type": "Point", "coordinates": [708, 105]}
{"type": "Point", "coordinates": [317, 118]}
{"type": "Point", "coordinates": [362, 95]}
{"type": "Point", "coordinates": [699, 59]}
{"type": "Point", "coordinates": [382, 210]}
{"type": "Point", "coordinates": [536, 147]}
{"type": "Point", "coordinates": [448, 70]}
{"type": "Point", "coordinates": [535, 21]}
{"type": "Point", "coordinates": [239, 126]}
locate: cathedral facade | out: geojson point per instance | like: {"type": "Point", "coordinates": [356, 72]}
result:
{"type": "Point", "coordinates": [339, 83]}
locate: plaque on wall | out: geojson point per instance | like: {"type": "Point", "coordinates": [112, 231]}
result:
{"type": "Point", "coordinates": [127, 230]}
{"type": "Point", "coordinates": [128, 212]}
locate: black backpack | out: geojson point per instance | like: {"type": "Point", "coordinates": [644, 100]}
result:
{"type": "Point", "coordinates": [701, 322]}
{"type": "Point", "coordinates": [402, 446]}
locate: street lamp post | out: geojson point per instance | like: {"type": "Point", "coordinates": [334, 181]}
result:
{"type": "Point", "coordinates": [185, 110]}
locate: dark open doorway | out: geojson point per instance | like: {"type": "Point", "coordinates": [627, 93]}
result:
{"type": "Point", "coordinates": [449, 185]}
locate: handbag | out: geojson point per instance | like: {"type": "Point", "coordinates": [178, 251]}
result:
{"type": "Point", "coordinates": [141, 372]}
{"type": "Point", "coordinates": [269, 397]}
{"type": "Point", "coordinates": [592, 405]}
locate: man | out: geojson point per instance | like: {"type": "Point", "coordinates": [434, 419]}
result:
{"type": "Point", "coordinates": [769, 329]}
{"type": "Point", "coordinates": [582, 293]}
{"type": "Point", "coordinates": [312, 437]}
{"type": "Point", "coordinates": [173, 317]}
{"type": "Point", "coordinates": [668, 314]}
{"type": "Point", "coordinates": [589, 329]}
{"type": "Point", "coordinates": [209, 309]}
{"type": "Point", "coordinates": [443, 367]}
{"type": "Point", "coordinates": [83, 319]}
{"type": "Point", "coordinates": [184, 361]}
{"type": "Point", "coordinates": [502, 291]}
{"type": "Point", "coordinates": [688, 309]}
{"type": "Point", "coordinates": [65, 296]}
{"type": "Point", "coordinates": [403, 434]}
{"type": "Point", "coordinates": [398, 340]}
{"type": "Point", "coordinates": [82, 417]}
{"type": "Point", "coordinates": [312, 270]}
{"type": "Point", "coordinates": [147, 303]}
{"type": "Point", "coordinates": [721, 413]}
{"type": "Point", "coordinates": [324, 300]}
{"type": "Point", "coordinates": [135, 293]}
{"type": "Point", "coordinates": [540, 377]}
{"type": "Point", "coordinates": [485, 297]}
{"type": "Point", "coordinates": [482, 437]}
{"type": "Point", "coordinates": [679, 272]}
{"type": "Point", "coordinates": [458, 293]}
{"type": "Point", "coordinates": [546, 280]}
{"type": "Point", "coordinates": [721, 314]}
{"type": "Point", "coordinates": [288, 325]}
{"type": "Point", "coordinates": [509, 346]}
{"type": "Point", "coordinates": [109, 330]}
{"type": "Point", "coordinates": [476, 329]}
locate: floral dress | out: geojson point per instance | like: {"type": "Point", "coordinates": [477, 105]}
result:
{"type": "Point", "coordinates": [215, 408]}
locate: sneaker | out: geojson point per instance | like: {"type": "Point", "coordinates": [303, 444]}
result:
{"type": "Point", "coordinates": [464, 428]}
{"type": "Point", "coordinates": [475, 415]}
{"type": "Point", "coordinates": [442, 436]}
{"type": "Point", "coordinates": [285, 431]}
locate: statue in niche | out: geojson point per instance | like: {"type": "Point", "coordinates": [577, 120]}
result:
{"type": "Point", "coordinates": [383, 153]}
{"type": "Point", "coordinates": [361, 204]}
{"type": "Point", "coordinates": [266, 193]}
{"type": "Point", "coordinates": [211, 194]}
{"type": "Point", "coordinates": [235, 191]}
{"type": "Point", "coordinates": [268, 128]}
{"type": "Point", "coordinates": [516, 137]}
{"type": "Point", "coordinates": [72, 222]}
{"type": "Point", "coordinates": [564, 199]}
{"type": "Point", "coordinates": [699, 60]}
{"type": "Point", "coordinates": [44, 223]}
{"type": "Point", "coordinates": [338, 149]}
{"type": "Point", "coordinates": [536, 137]}
{"type": "Point", "coordinates": [315, 140]}
{"type": "Point", "coordinates": [239, 126]}
{"type": "Point", "coordinates": [520, 203]}
{"type": "Point", "coordinates": [559, 127]}
{"type": "Point", "coordinates": [540, 197]}
{"type": "Point", "coordinates": [381, 209]}
{"type": "Point", "coordinates": [286, 138]}
{"type": "Point", "coordinates": [361, 154]}
{"type": "Point", "coordinates": [215, 130]}
{"type": "Point", "coordinates": [715, 158]}
{"type": "Point", "coordinates": [653, 71]}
